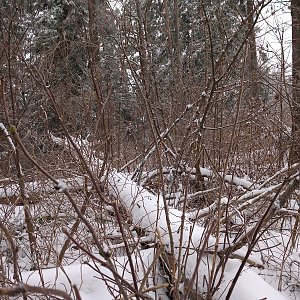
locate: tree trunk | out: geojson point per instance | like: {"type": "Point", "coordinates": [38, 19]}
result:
{"type": "Point", "coordinates": [94, 57]}
{"type": "Point", "coordinates": [142, 48]}
{"type": "Point", "coordinates": [177, 43]}
{"type": "Point", "coordinates": [295, 107]}
{"type": "Point", "coordinates": [252, 56]}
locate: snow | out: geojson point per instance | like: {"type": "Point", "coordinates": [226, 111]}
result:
{"type": "Point", "coordinates": [241, 182]}
{"type": "Point", "coordinates": [167, 226]}
{"type": "Point", "coordinates": [58, 140]}
{"type": "Point", "coordinates": [61, 186]}
{"type": "Point", "coordinates": [238, 181]}
{"type": "Point", "coordinates": [93, 281]}
{"type": "Point", "coordinates": [249, 286]}
{"type": "Point", "coordinates": [7, 135]}
{"type": "Point", "coordinates": [148, 212]}
{"type": "Point", "coordinates": [41, 186]}
{"type": "Point", "coordinates": [94, 284]}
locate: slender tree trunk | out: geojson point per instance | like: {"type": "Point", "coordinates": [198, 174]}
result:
{"type": "Point", "coordinates": [252, 59]}
{"type": "Point", "coordinates": [169, 40]}
{"type": "Point", "coordinates": [177, 43]}
{"type": "Point", "coordinates": [94, 57]}
{"type": "Point", "coordinates": [16, 157]}
{"type": "Point", "coordinates": [295, 107]}
{"type": "Point", "coordinates": [142, 48]}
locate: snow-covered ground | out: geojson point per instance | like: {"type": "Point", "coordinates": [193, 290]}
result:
{"type": "Point", "coordinates": [95, 281]}
{"type": "Point", "coordinates": [157, 248]}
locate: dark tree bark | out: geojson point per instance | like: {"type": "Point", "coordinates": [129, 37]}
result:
{"type": "Point", "coordinates": [142, 47]}
{"type": "Point", "coordinates": [177, 41]}
{"type": "Point", "coordinates": [94, 9]}
{"type": "Point", "coordinates": [295, 107]}
{"type": "Point", "coordinates": [252, 59]}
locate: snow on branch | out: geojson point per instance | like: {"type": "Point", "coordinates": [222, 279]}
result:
{"type": "Point", "coordinates": [7, 135]}
{"type": "Point", "coordinates": [160, 139]}
{"type": "Point", "coordinates": [148, 212]}
{"type": "Point", "coordinates": [10, 192]}
{"type": "Point", "coordinates": [61, 186]}
{"type": "Point", "coordinates": [231, 179]}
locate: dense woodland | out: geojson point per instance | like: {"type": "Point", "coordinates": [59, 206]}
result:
{"type": "Point", "coordinates": [151, 148]}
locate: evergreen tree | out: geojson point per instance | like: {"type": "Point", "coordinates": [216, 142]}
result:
{"type": "Point", "coordinates": [60, 34]}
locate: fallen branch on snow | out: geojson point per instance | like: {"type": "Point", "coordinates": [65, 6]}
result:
{"type": "Point", "coordinates": [148, 212]}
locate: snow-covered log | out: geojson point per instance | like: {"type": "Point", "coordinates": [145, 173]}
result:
{"type": "Point", "coordinates": [149, 212]}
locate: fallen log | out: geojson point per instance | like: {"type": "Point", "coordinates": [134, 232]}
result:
{"type": "Point", "coordinates": [149, 212]}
